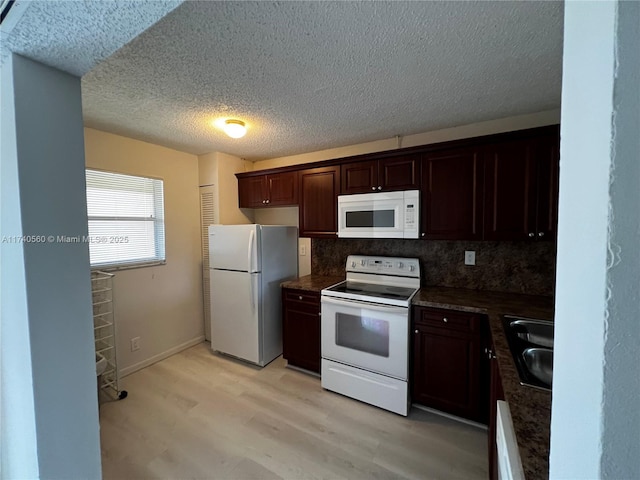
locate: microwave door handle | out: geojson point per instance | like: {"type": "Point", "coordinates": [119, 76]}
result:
{"type": "Point", "coordinates": [367, 305]}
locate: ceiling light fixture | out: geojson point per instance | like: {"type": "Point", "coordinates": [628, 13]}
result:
{"type": "Point", "coordinates": [234, 128]}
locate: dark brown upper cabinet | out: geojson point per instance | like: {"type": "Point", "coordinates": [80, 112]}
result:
{"type": "Point", "coordinates": [521, 189]}
{"type": "Point", "coordinates": [386, 174]}
{"type": "Point", "coordinates": [452, 184]}
{"type": "Point", "coordinates": [318, 208]}
{"type": "Point", "coordinates": [271, 190]}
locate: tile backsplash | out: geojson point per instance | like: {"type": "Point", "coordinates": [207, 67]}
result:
{"type": "Point", "coordinates": [521, 267]}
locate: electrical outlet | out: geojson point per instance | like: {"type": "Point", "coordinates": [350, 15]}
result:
{"type": "Point", "coordinates": [303, 250]}
{"type": "Point", "coordinates": [469, 257]}
{"type": "Point", "coordinates": [135, 344]}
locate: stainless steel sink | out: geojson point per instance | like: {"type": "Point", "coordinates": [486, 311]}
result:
{"type": "Point", "coordinates": [531, 344]}
{"type": "Point", "coordinates": [538, 332]}
{"type": "Point", "coordinates": [539, 362]}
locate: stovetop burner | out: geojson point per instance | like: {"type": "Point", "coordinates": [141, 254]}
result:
{"type": "Point", "coordinates": [385, 280]}
{"type": "Point", "coordinates": [373, 290]}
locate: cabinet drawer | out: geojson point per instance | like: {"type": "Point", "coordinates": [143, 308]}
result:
{"type": "Point", "coordinates": [449, 319]}
{"type": "Point", "coordinates": [302, 296]}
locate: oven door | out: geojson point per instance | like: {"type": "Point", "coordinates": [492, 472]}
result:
{"type": "Point", "coordinates": [366, 335]}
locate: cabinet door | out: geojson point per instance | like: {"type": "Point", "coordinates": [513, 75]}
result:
{"type": "Point", "coordinates": [359, 177]}
{"type": "Point", "coordinates": [546, 151]}
{"type": "Point", "coordinates": [446, 373]}
{"type": "Point", "coordinates": [496, 393]}
{"type": "Point", "coordinates": [399, 173]}
{"type": "Point", "coordinates": [452, 195]}
{"type": "Point", "coordinates": [252, 191]}
{"type": "Point", "coordinates": [301, 329]}
{"type": "Point", "coordinates": [510, 197]}
{"type": "Point", "coordinates": [318, 209]}
{"type": "Point", "coordinates": [283, 189]}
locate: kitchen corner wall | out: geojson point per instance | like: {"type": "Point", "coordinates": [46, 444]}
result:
{"type": "Point", "coordinates": [288, 216]}
{"type": "Point", "coordinates": [163, 304]}
{"type": "Point", "coordinates": [520, 267]}
{"type": "Point", "coordinates": [218, 169]}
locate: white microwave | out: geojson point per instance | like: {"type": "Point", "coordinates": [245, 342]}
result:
{"type": "Point", "coordinates": [379, 215]}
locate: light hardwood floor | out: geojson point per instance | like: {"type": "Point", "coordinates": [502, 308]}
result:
{"type": "Point", "coordinates": [202, 416]}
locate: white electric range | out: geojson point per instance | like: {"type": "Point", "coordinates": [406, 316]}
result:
{"type": "Point", "coordinates": [365, 331]}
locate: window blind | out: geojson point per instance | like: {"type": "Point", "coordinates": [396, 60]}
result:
{"type": "Point", "coordinates": [126, 219]}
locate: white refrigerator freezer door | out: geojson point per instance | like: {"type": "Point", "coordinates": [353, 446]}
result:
{"type": "Point", "coordinates": [235, 318]}
{"type": "Point", "coordinates": [234, 247]}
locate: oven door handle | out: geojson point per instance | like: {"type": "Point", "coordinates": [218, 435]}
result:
{"type": "Point", "coordinates": [367, 305]}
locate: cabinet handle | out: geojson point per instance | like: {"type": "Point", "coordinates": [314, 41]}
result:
{"type": "Point", "coordinates": [445, 320]}
{"type": "Point", "coordinates": [415, 331]}
{"type": "Point", "coordinates": [266, 201]}
{"type": "Point", "coordinates": [373, 188]}
{"type": "Point", "coordinates": [300, 297]}
{"type": "Point", "coordinates": [541, 234]}
{"type": "Point", "coordinates": [531, 234]}
{"type": "Point", "coordinates": [379, 187]}
{"type": "Point", "coordinates": [422, 234]}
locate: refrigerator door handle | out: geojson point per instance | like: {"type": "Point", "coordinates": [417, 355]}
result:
{"type": "Point", "coordinates": [250, 251]}
{"type": "Point", "coordinates": [253, 298]}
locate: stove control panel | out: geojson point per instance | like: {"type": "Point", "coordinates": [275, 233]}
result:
{"type": "Point", "coordinates": [406, 267]}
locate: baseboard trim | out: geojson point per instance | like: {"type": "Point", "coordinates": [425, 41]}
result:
{"type": "Point", "coordinates": [160, 356]}
{"type": "Point", "coordinates": [481, 426]}
{"type": "Point", "coordinates": [303, 370]}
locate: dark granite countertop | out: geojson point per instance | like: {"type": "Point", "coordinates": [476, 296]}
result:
{"type": "Point", "coordinates": [312, 283]}
{"type": "Point", "coordinates": [530, 408]}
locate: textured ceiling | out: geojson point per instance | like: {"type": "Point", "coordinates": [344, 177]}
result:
{"type": "Point", "coordinates": [73, 35]}
{"type": "Point", "coordinates": [307, 76]}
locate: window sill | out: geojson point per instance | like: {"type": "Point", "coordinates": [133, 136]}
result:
{"type": "Point", "coordinates": [127, 266]}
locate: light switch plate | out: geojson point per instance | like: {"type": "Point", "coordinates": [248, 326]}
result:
{"type": "Point", "coordinates": [469, 257]}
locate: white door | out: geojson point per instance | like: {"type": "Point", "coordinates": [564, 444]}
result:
{"type": "Point", "coordinates": [235, 306]}
{"type": "Point", "coordinates": [370, 336]}
{"type": "Point", "coordinates": [234, 247]}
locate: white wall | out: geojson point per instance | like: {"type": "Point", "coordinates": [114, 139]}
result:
{"type": "Point", "coordinates": [595, 425]}
{"type": "Point", "coordinates": [18, 443]}
{"type": "Point", "coordinates": [551, 117]}
{"type": "Point", "coordinates": [163, 304]}
{"type": "Point", "coordinates": [48, 363]}
{"type": "Point", "coordinates": [621, 428]}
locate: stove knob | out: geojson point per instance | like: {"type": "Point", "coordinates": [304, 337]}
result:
{"type": "Point", "coordinates": [353, 264]}
{"type": "Point", "coordinates": [363, 262]}
{"type": "Point", "coordinates": [400, 265]}
{"type": "Point", "coordinates": [412, 268]}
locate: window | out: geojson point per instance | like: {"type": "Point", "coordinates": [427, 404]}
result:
{"type": "Point", "coordinates": [126, 219]}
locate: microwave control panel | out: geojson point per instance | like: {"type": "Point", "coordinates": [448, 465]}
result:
{"type": "Point", "coordinates": [411, 202]}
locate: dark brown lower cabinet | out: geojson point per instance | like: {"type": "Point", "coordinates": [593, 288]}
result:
{"type": "Point", "coordinates": [496, 393]}
{"type": "Point", "coordinates": [301, 328]}
{"type": "Point", "coordinates": [449, 363]}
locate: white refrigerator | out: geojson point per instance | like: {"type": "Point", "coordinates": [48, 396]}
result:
{"type": "Point", "coordinates": [247, 264]}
